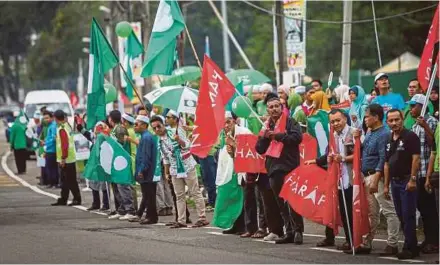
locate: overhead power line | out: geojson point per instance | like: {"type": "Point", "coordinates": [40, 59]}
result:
{"type": "Point", "coordinates": [339, 22]}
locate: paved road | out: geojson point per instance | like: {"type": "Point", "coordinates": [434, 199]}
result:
{"type": "Point", "coordinates": [33, 232]}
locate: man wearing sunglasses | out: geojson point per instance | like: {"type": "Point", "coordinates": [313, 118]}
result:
{"type": "Point", "coordinates": [180, 166]}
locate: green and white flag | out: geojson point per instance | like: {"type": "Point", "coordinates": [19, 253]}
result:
{"type": "Point", "coordinates": [134, 49]}
{"type": "Point", "coordinates": [102, 58]}
{"type": "Point", "coordinates": [167, 26]}
{"type": "Point", "coordinates": [318, 127]}
{"type": "Point", "coordinates": [109, 161]}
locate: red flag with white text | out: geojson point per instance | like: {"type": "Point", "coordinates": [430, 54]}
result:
{"type": "Point", "coordinates": [246, 159]}
{"type": "Point", "coordinates": [214, 93]}
{"type": "Point", "coordinates": [427, 60]}
{"type": "Point", "coordinates": [361, 223]}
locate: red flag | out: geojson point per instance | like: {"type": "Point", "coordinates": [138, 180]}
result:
{"type": "Point", "coordinates": [308, 148]}
{"type": "Point", "coordinates": [73, 99]}
{"type": "Point", "coordinates": [426, 61]}
{"type": "Point", "coordinates": [247, 160]}
{"type": "Point", "coordinates": [214, 93]}
{"type": "Point", "coordinates": [361, 223]}
{"type": "Point", "coordinates": [332, 216]}
{"type": "Point", "coordinates": [304, 188]}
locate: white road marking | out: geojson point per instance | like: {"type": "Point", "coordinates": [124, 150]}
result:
{"type": "Point", "coordinates": [406, 260]}
{"type": "Point", "coordinates": [262, 240]}
{"type": "Point", "coordinates": [212, 227]}
{"type": "Point", "coordinates": [328, 249]}
{"type": "Point", "coordinates": [216, 233]}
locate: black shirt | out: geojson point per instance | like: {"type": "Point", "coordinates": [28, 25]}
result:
{"type": "Point", "coordinates": [399, 154]}
{"type": "Point", "coordinates": [289, 157]}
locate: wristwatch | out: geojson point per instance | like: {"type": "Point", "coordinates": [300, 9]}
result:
{"type": "Point", "coordinates": [343, 158]}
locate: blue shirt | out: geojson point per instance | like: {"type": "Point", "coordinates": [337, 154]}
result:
{"type": "Point", "coordinates": [373, 149]}
{"type": "Point", "coordinates": [146, 157]}
{"type": "Point", "coordinates": [390, 101]}
{"type": "Point", "coordinates": [50, 142]}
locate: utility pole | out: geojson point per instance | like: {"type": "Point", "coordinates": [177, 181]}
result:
{"type": "Point", "coordinates": [80, 82]}
{"type": "Point", "coordinates": [346, 42]}
{"type": "Point", "coordinates": [146, 26]}
{"type": "Point", "coordinates": [226, 50]}
{"type": "Point", "coordinates": [279, 22]}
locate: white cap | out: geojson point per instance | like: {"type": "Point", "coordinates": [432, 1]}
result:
{"type": "Point", "coordinates": [417, 99]}
{"type": "Point", "coordinates": [228, 115]}
{"type": "Point", "coordinates": [300, 90]}
{"type": "Point", "coordinates": [266, 88]}
{"type": "Point", "coordinates": [143, 118]}
{"type": "Point", "coordinates": [379, 76]}
{"type": "Point", "coordinates": [127, 117]}
{"type": "Point", "coordinates": [172, 112]}
{"type": "Point", "coordinates": [37, 115]}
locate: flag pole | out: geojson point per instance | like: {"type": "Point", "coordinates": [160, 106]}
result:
{"type": "Point", "coordinates": [193, 48]}
{"type": "Point", "coordinates": [132, 84]}
{"type": "Point", "coordinates": [346, 215]}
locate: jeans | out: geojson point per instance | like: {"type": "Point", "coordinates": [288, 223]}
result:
{"type": "Point", "coordinates": [126, 205]}
{"type": "Point", "coordinates": [209, 173]}
{"type": "Point", "coordinates": [293, 222]}
{"type": "Point", "coordinates": [406, 205]}
{"type": "Point", "coordinates": [148, 201]}
{"type": "Point", "coordinates": [426, 203]}
{"type": "Point", "coordinates": [348, 193]}
{"type": "Point", "coordinates": [51, 168]}
{"type": "Point", "coordinates": [69, 183]}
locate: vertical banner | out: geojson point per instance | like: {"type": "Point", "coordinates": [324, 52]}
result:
{"type": "Point", "coordinates": [295, 34]}
{"type": "Point", "coordinates": [136, 63]}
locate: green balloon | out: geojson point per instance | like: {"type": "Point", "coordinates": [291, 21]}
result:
{"type": "Point", "coordinates": [110, 93]}
{"type": "Point", "coordinates": [123, 29]}
{"type": "Point", "coordinates": [240, 108]}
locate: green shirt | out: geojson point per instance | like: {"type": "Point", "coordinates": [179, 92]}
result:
{"type": "Point", "coordinates": [409, 121]}
{"type": "Point", "coordinates": [18, 136]}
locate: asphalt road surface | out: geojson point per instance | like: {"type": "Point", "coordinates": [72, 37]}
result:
{"type": "Point", "coordinates": [31, 231]}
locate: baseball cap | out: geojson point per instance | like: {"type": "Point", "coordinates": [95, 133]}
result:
{"type": "Point", "coordinates": [379, 76]}
{"type": "Point", "coordinates": [417, 99]}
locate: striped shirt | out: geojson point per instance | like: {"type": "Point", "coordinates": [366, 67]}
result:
{"type": "Point", "coordinates": [425, 149]}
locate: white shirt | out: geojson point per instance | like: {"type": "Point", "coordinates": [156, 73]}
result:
{"type": "Point", "coordinates": [339, 138]}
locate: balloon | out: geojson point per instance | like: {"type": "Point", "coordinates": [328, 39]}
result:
{"type": "Point", "coordinates": [240, 108]}
{"type": "Point", "coordinates": [123, 29]}
{"type": "Point", "coordinates": [110, 93]}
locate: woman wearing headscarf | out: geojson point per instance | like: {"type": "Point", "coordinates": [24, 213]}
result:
{"type": "Point", "coordinates": [358, 105]}
{"type": "Point", "coordinates": [283, 94]}
{"type": "Point", "coordinates": [320, 102]}
{"type": "Point", "coordinates": [341, 93]}
{"type": "Point", "coordinates": [294, 103]}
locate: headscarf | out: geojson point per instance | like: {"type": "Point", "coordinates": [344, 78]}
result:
{"type": "Point", "coordinates": [285, 88]}
{"type": "Point", "coordinates": [342, 93]}
{"type": "Point", "coordinates": [320, 101]}
{"type": "Point", "coordinates": [294, 101]}
{"type": "Point", "coordinates": [359, 105]}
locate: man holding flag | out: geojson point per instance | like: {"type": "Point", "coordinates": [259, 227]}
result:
{"type": "Point", "coordinates": [279, 140]}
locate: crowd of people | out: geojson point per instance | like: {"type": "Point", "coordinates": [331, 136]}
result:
{"type": "Point", "coordinates": [399, 163]}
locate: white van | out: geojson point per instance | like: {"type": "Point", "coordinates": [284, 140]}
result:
{"type": "Point", "coordinates": [52, 99]}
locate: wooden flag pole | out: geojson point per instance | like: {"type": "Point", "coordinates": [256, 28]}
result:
{"type": "Point", "coordinates": [193, 48]}
{"type": "Point", "coordinates": [132, 85]}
